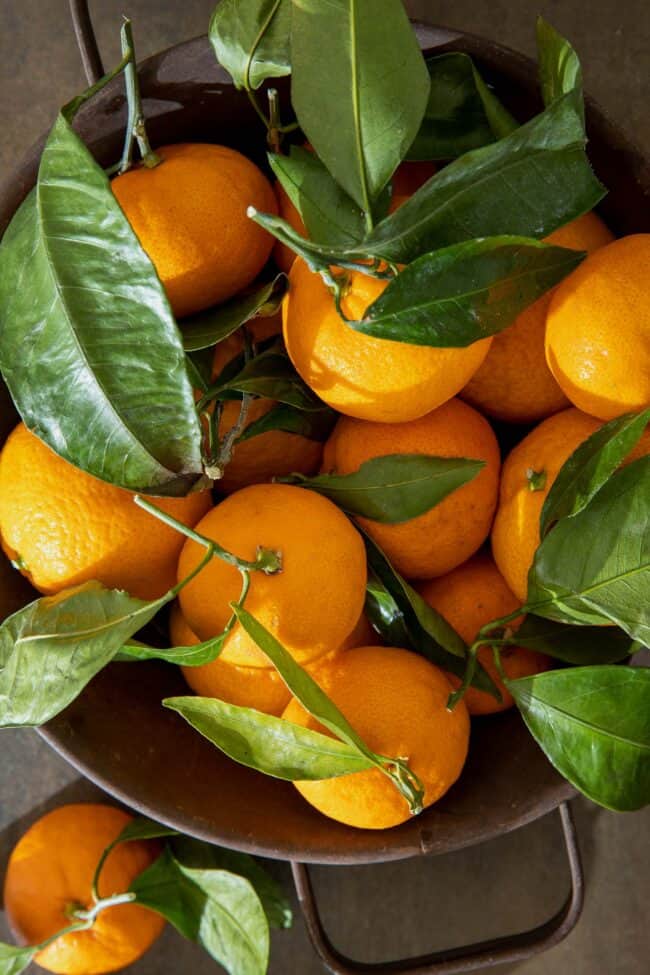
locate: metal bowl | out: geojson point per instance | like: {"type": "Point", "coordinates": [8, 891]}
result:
{"type": "Point", "coordinates": [116, 733]}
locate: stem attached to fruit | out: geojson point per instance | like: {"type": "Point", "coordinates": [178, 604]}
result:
{"type": "Point", "coordinates": [135, 126]}
{"type": "Point", "coordinates": [483, 639]}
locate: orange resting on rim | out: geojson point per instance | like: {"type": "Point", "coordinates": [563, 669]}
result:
{"type": "Point", "coordinates": [51, 869]}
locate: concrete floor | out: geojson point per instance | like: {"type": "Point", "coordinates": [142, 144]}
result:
{"type": "Point", "coordinates": [385, 911]}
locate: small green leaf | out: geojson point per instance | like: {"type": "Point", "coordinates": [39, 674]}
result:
{"type": "Point", "coordinates": [359, 88]}
{"type": "Point", "coordinates": [595, 566]}
{"type": "Point", "coordinates": [580, 645]}
{"type": "Point", "coordinates": [269, 374]}
{"type": "Point", "coordinates": [385, 615]}
{"type": "Point", "coordinates": [142, 828]}
{"type": "Point", "coordinates": [305, 689]}
{"type": "Point", "coordinates": [593, 723]}
{"type": "Point", "coordinates": [50, 649]}
{"type": "Point", "coordinates": [394, 488]}
{"type": "Point", "coordinates": [462, 112]}
{"type": "Point", "coordinates": [206, 328]}
{"type": "Point", "coordinates": [14, 960]}
{"type": "Point", "coordinates": [194, 656]}
{"type": "Point", "coordinates": [251, 39]}
{"type": "Point", "coordinates": [559, 66]}
{"type": "Point", "coordinates": [590, 466]}
{"type": "Point", "coordinates": [329, 214]}
{"type": "Point", "coordinates": [527, 184]}
{"type": "Point", "coordinates": [313, 424]}
{"type": "Point", "coordinates": [463, 293]}
{"type": "Point", "coordinates": [89, 347]}
{"type": "Point", "coordinates": [266, 743]}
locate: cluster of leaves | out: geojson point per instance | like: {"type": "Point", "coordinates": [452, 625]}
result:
{"type": "Point", "coordinates": [222, 900]}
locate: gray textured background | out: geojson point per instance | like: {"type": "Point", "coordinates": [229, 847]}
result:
{"type": "Point", "coordinates": [373, 912]}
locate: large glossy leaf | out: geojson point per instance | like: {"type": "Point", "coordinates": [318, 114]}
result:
{"type": "Point", "coordinates": [266, 743]}
{"type": "Point", "coordinates": [251, 39]}
{"type": "Point", "coordinates": [217, 909]}
{"type": "Point", "coordinates": [394, 488]}
{"type": "Point", "coordinates": [428, 633]}
{"type": "Point", "coordinates": [359, 88]}
{"type": "Point", "coordinates": [305, 689]}
{"type": "Point", "coordinates": [50, 649]}
{"type": "Point", "coordinates": [462, 113]}
{"type": "Point", "coordinates": [559, 67]}
{"type": "Point", "coordinates": [13, 959]}
{"type": "Point", "coordinates": [527, 184]}
{"type": "Point", "coordinates": [329, 214]}
{"type": "Point", "coordinates": [593, 723]}
{"type": "Point", "coordinates": [596, 566]}
{"type": "Point", "coordinates": [580, 645]}
{"type": "Point", "coordinates": [206, 328]}
{"type": "Point", "coordinates": [206, 856]}
{"type": "Point", "coordinates": [463, 293]}
{"type": "Point", "coordinates": [590, 466]}
{"type": "Point", "coordinates": [89, 347]}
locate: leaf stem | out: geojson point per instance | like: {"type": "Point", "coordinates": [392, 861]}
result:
{"type": "Point", "coordinates": [135, 126]}
{"type": "Point", "coordinates": [267, 560]}
{"type": "Point", "coordinates": [71, 108]}
{"type": "Point", "coordinates": [482, 639]}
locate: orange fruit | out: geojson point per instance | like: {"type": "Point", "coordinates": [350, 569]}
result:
{"type": "Point", "coordinates": [189, 214]}
{"type": "Point", "coordinates": [450, 532]}
{"type": "Point", "coordinates": [311, 605]}
{"type": "Point", "coordinates": [526, 478]}
{"type": "Point", "coordinates": [598, 330]}
{"type": "Point", "coordinates": [261, 688]}
{"type": "Point", "coordinates": [397, 702]}
{"type": "Point", "coordinates": [63, 527]}
{"type": "Point", "coordinates": [51, 869]}
{"type": "Point", "coordinates": [514, 383]}
{"type": "Point", "coordinates": [408, 177]}
{"type": "Point", "coordinates": [373, 379]}
{"type": "Point", "coordinates": [275, 453]}
{"type": "Point", "coordinates": [468, 597]}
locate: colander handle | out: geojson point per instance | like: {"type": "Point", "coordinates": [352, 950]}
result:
{"type": "Point", "coordinates": [470, 958]}
{"type": "Point", "coordinates": [86, 41]}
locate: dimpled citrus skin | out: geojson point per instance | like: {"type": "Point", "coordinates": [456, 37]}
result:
{"type": "Point", "coordinates": [515, 384]}
{"type": "Point", "coordinates": [189, 214]}
{"type": "Point", "coordinates": [447, 534]}
{"type": "Point", "coordinates": [261, 688]}
{"type": "Point", "coordinates": [373, 379]}
{"type": "Point", "coordinates": [468, 597]}
{"type": "Point", "coordinates": [598, 330]}
{"type": "Point", "coordinates": [275, 453]}
{"type": "Point", "coordinates": [397, 702]}
{"type": "Point", "coordinates": [52, 866]}
{"type": "Point", "coordinates": [64, 527]}
{"type": "Point", "coordinates": [311, 605]}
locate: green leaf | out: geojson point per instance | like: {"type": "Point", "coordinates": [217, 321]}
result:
{"type": "Point", "coordinates": [329, 214]}
{"type": "Point", "coordinates": [315, 424]}
{"type": "Point", "coordinates": [463, 293]}
{"type": "Point", "coordinates": [251, 39]}
{"type": "Point", "coordinates": [428, 633]}
{"type": "Point", "coordinates": [305, 689]}
{"type": "Point", "coordinates": [14, 960]}
{"type": "Point", "coordinates": [206, 328]}
{"type": "Point", "coordinates": [385, 615]}
{"type": "Point", "coordinates": [580, 645]}
{"type": "Point", "coordinates": [199, 368]}
{"type": "Point", "coordinates": [89, 347]}
{"type": "Point", "coordinates": [207, 856]}
{"type": "Point", "coordinates": [394, 488]}
{"type": "Point", "coordinates": [528, 184]}
{"type": "Point", "coordinates": [595, 566]}
{"type": "Point", "coordinates": [359, 88]}
{"type": "Point", "coordinates": [559, 66]}
{"type": "Point", "coordinates": [266, 743]}
{"type": "Point", "coordinates": [462, 112]}
{"type": "Point", "coordinates": [217, 909]}
{"type": "Point", "coordinates": [590, 466]}
{"type": "Point", "coordinates": [142, 828]}
{"type": "Point", "coordinates": [272, 375]}
{"type": "Point", "coordinates": [193, 656]}
{"type": "Point", "coordinates": [50, 649]}
{"type": "Point", "coordinates": [593, 724]}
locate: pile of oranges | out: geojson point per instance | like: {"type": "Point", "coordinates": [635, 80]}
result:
{"type": "Point", "coordinates": [575, 358]}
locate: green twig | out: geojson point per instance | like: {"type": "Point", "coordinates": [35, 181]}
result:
{"type": "Point", "coordinates": [135, 126]}
{"type": "Point", "coordinates": [483, 639]}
